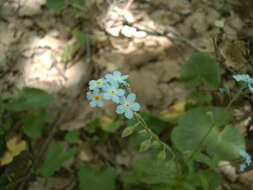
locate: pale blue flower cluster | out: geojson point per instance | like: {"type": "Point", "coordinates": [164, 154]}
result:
{"type": "Point", "coordinates": [245, 78]}
{"type": "Point", "coordinates": [113, 87]}
{"type": "Point", "coordinates": [247, 160]}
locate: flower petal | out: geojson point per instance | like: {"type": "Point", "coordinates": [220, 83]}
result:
{"type": "Point", "coordinates": [250, 85]}
{"type": "Point", "coordinates": [100, 103]}
{"type": "Point", "coordinates": [115, 99]}
{"type": "Point", "coordinates": [120, 92]}
{"type": "Point", "coordinates": [129, 114]}
{"type": "Point", "coordinates": [107, 96]}
{"type": "Point", "coordinates": [93, 103]}
{"type": "Point", "coordinates": [120, 109]}
{"type": "Point", "coordinates": [131, 97]}
{"type": "Point", "coordinates": [135, 107]}
{"type": "Point", "coordinates": [116, 73]}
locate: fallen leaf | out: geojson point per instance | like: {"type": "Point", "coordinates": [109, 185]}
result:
{"type": "Point", "coordinates": [175, 110]}
{"type": "Point", "coordinates": [15, 146]}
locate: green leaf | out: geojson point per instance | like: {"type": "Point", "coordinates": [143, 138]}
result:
{"type": "Point", "coordinates": [155, 123]}
{"type": "Point", "coordinates": [200, 128]}
{"type": "Point", "coordinates": [152, 172]}
{"type": "Point", "coordinates": [56, 5]}
{"type": "Point", "coordinates": [112, 127]}
{"type": "Point", "coordinates": [128, 131]}
{"type": "Point", "coordinates": [193, 127]}
{"type": "Point", "coordinates": [56, 156]}
{"type": "Point", "coordinates": [32, 123]}
{"type": "Point", "coordinates": [91, 178]}
{"type": "Point", "coordinates": [162, 155]}
{"type": "Point", "coordinates": [209, 179]}
{"type": "Point", "coordinates": [72, 137]}
{"type": "Point", "coordinates": [205, 159]}
{"type": "Point", "coordinates": [80, 3]}
{"type": "Point", "coordinates": [79, 36]}
{"type": "Point", "coordinates": [202, 97]}
{"type": "Point", "coordinates": [228, 144]}
{"type": "Point", "coordinates": [145, 145]}
{"type": "Point", "coordinates": [201, 69]}
{"type": "Point", "coordinates": [196, 124]}
{"type": "Point", "coordinates": [29, 98]}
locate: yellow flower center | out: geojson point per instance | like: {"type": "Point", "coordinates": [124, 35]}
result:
{"type": "Point", "coordinates": [98, 82]}
{"type": "Point", "coordinates": [113, 92]}
{"type": "Point", "coordinates": [97, 98]}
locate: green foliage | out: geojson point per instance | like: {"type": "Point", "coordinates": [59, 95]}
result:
{"type": "Point", "coordinates": [33, 122]}
{"type": "Point", "coordinates": [80, 37]}
{"type": "Point", "coordinates": [202, 97]}
{"type": "Point", "coordinates": [29, 98]}
{"type": "Point", "coordinates": [201, 69]}
{"type": "Point", "coordinates": [97, 178]}
{"type": "Point", "coordinates": [202, 127]}
{"type": "Point", "coordinates": [128, 131]}
{"type": "Point", "coordinates": [56, 5]}
{"type": "Point", "coordinates": [72, 137]}
{"type": "Point", "coordinates": [227, 144]}
{"type": "Point", "coordinates": [151, 172]}
{"type": "Point", "coordinates": [56, 156]}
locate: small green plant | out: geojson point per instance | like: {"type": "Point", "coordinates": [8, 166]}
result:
{"type": "Point", "coordinates": [203, 135]}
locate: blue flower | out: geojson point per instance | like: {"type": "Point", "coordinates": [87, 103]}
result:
{"type": "Point", "coordinates": [113, 92]}
{"type": "Point", "coordinates": [95, 84]}
{"type": "Point", "coordinates": [247, 160]}
{"type": "Point", "coordinates": [116, 77]}
{"type": "Point", "coordinates": [95, 98]}
{"type": "Point", "coordinates": [245, 78]}
{"type": "Point", "coordinates": [128, 106]}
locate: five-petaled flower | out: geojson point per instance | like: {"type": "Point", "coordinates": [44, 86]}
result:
{"type": "Point", "coordinates": [95, 84]}
{"type": "Point", "coordinates": [113, 92]}
{"type": "Point", "coordinates": [128, 106]}
{"type": "Point", "coordinates": [95, 98]}
{"type": "Point", "coordinates": [245, 78]}
{"type": "Point", "coordinates": [117, 77]}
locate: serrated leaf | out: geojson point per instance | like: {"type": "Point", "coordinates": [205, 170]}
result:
{"type": "Point", "coordinates": [201, 69]}
{"type": "Point", "coordinates": [56, 156]}
{"type": "Point", "coordinates": [56, 5]}
{"type": "Point", "coordinates": [94, 178]}
{"type": "Point", "coordinates": [30, 98]}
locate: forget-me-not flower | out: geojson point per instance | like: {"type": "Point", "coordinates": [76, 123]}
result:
{"type": "Point", "coordinates": [95, 98]}
{"type": "Point", "coordinates": [117, 77]}
{"type": "Point", "coordinates": [128, 106]}
{"type": "Point", "coordinates": [113, 92]}
{"type": "Point", "coordinates": [95, 84]}
{"type": "Point", "coordinates": [245, 78]}
{"type": "Point", "coordinates": [247, 160]}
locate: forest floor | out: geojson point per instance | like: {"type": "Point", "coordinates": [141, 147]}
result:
{"type": "Point", "coordinates": [148, 40]}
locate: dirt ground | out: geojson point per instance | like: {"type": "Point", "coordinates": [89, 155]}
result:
{"type": "Point", "coordinates": [148, 40]}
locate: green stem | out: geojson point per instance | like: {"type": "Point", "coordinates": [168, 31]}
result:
{"type": "Point", "coordinates": [152, 134]}
{"type": "Point", "coordinates": [235, 96]}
